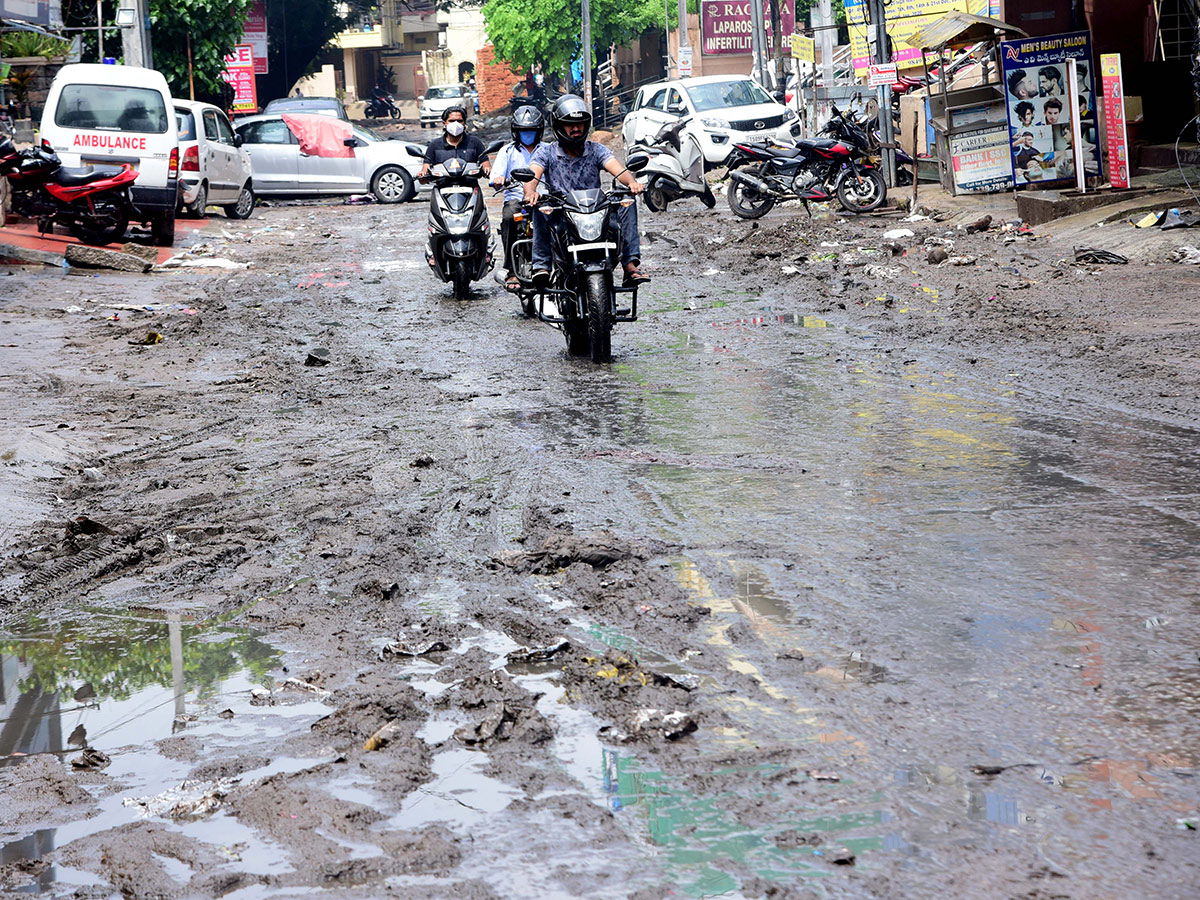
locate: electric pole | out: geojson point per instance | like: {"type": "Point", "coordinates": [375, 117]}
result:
{"type": "Point", "coordinates": [882, 55]}
{"type": "Point", "coordinates": [135, 37]}
{"type": "Point", "coordinates": [758, 40]}
{"type": "Point", "coordinates": [586, 16]}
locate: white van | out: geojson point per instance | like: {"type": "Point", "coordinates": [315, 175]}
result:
{"type": "Point", "coordinates": [103, 115]}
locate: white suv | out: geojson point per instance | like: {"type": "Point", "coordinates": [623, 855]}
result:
{"type": "Point", "coordinates": [724, 110]}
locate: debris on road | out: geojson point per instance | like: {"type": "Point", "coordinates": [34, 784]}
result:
{"type": "Point", "coordinates": [538, 654]}
{"type": "Point", "coordinates": [319, 356]}
{"type": "Point", "coordinates": [1189, 256]}
{"type": "Point", "coordinates": [91, 758]}
{"type": "Point", "coordinates": [1095, 255]}
{"type": "Point", "coordinates": [403, 646]}
{"type": "Point", "coordinates": [897, 234]}
{"type": "Point", "coordinates": [98, 258]}
{"type": "Point", "coordinates": [670, 725]}
{"type": "Point", "coordinates": [188, 800]}
{"type": "Point", "coordinates": [384, 735]}
{"type": "Point", "coordinates": [598, 550]}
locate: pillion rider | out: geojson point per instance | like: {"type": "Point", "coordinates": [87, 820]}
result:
{"type": "Point", "coordinates": [528, 127]}
{"type": "Point", "coordinates": [573, 163]}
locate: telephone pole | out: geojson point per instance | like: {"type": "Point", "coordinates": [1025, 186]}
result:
{"type": "Point", "coordinates": [883, 55]}
{"type": "Point", "coordinates": [586, 41]}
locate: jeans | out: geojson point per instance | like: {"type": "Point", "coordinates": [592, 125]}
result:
{"type": "Point", "coordinates": [508, 231]}
{"type": "Point", "coordinates": [624, 217]}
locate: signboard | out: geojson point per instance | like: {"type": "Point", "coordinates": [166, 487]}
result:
{"type": "Point", "coordinates": [1114, 120]}
{"type": "Point", "coordinates": [1040, 112]}
{"type": "Point", "coordinates": [255, 34]}
{"type": "Point", "coordinates": [804, 48]}
{"type": "Point", "coordinates": [725, 25]}
{"type": "Point", "coordinates": [685, 62]}
{"type": "Point", "coordinates": [904, 19]}
{"type": "Point", "coordinates": [881, 74]}
{"type": "Point", "coordinates": [239, 73]}
{"type": "Point", "coordinates": [35, 11]}
{"type": "Point", "coordinates": [982, 160]}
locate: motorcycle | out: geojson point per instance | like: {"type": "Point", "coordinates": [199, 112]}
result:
{"type": "Point", "coordinates": [381, 106]}
{"type": "Point", "coordinates": [862, 131]}
{"type": "Point", "coordinates": [585, 252]}
{"type": "Point", "coordinates": [94, 203]}
{"type": "Point", "coordinates": [674, 169]}
{"type": "Point", "coordinates": [522, 258]}
{"type": "Point", "coordinates": [812, 170]}
{"type": "Point", "coordinates": [460, 247]}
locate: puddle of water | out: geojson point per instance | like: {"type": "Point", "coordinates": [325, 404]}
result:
{"type": "Point", "coordinates": [459, 795]}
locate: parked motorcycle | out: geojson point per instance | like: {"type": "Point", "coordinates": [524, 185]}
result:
{"type": "Point", "coordinates": [460, 247]}
{"type": "Point", "coordinates": [862, 131]}
{"type": "Point", "coordinates": [381, 106]}
{"type": "Point", "coordinates": [584, 254]}
{"type": "Point", "coordinates": [674, 169]}
{"type": "Point", "coordinates": [812, 170]}
{"type": "Point", "coordinates": [94, 203]}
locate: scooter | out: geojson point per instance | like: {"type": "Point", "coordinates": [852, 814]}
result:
{"type": "Point", "coordinates": [675, 167]}
{"type": "Point", "coordinates": [94, 202]}
{"type": "Point", "coordinates": [460, 247]}
{"type": "Point", "coordinates": [381, 106]}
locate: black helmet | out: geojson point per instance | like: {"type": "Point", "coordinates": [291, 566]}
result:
{"type": "Point", "coordinates": [570, 110]}
{"type": "Point", "coordinates": [528, 118]}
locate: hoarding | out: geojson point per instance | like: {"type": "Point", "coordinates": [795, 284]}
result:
{"type": "Point", "coordinates": [1114, 119]}
{"type": "Point", "coordinates": [1040, 113]}
{"type": "Point", "coordinates": [239, 74]}
{"type": "Point", "coordinates": [255, 34]}
{"type": "Point", "coordinates": [982, 160]}
{"type": "Point", "coordinates": [904, 19]}
{"type": "Point", "coordinates": [725, 25]}
{"type": "Point", "coordinates": [804, 48]}
{"type": "Point", "coordinates": [36, 12]}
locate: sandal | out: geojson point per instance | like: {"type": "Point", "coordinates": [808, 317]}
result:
{"type": "Point", "coordinates": [512, 284]}
{"type": "Point", "coordinates": [635, 276]}
{"type": "Point", "coordinates": [541, 276]}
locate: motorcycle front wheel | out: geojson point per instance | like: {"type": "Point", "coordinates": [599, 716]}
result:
{"type": "Point", "coordinates": [599, 317]}
{"type": "Point", "coordinates": [747, 202]}
{"type": "Point", "coordinates": [395, 112]}
{"type": "Point", "coordinates": [462, 279]}
{"type": "Point", "coordinates": [863, 192]}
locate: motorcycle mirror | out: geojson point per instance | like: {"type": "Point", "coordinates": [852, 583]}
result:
{"type": "Point", "coordinates": [836, 111]}
{"type": "Point", "coordinates": [522, 175]}
{"type": "Point", "coordinates": [414, 150]}
{"type": "Point", "coordinates": [493, 147]}
{"type": "Point", "coordinates": [636, 162]}
{"type": "Point", "coordinates": [780, 97]}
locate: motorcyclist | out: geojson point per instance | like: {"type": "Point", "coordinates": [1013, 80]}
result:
{"type": "Point", "coordinates": [573, 163]}
{"type": "Point", "coordinates": [528, 125]}
{"type": "Point", "coordinates": [454, 143]}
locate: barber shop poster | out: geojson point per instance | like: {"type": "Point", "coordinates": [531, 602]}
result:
{"type": "Point", "coordinates": [1040, 112]}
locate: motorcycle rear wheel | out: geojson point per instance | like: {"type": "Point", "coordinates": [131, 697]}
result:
{"type": "Point", "coordinates": [394, 112]}
{"type": "Point", "coordinates": [462, 279]}
{"type": "Point", "coordinates": [98, 237]}
{"type": "Point", "coordinates": [862, 193]}
{"type": "Point", "coordinates": [655, 197]}
{"type": "Point", "coordinates": [745, 201]}
{"type": "Point", "coordinates": [599, 318]}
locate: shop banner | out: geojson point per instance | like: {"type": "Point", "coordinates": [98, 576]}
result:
{"type": "Point", "coordinates": [1039, 108]}
{"type": "Point", "coordinates": [725, 26]}
{"type": "Point", "coordinates": [804, 48]}
{"type": "Point", "coordinates": [904, 19]}
{"type": "Point", "coordinates": [982, 160]}
{"type": "Point", "coordinates": [239, 73]}
{"type": "Point", "coordinates": [255, 34]}
{"type": "Point", "coordinates": [1114, 119]}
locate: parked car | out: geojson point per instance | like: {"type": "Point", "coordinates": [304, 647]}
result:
{"type": "Point", "coordinates": [441, 97]}
{"type": "Point", "coordinates": [724, 110]}
{"type": "Point", "coordinates": [108, 115]}
{"type": "Point", "coordinates": [213, 167]}
{"type": "Point", "coordinates": [383, 167]}
{"type": "Point", "coordinates": [321, 106]}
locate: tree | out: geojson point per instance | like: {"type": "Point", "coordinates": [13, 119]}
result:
{"type": "Point", "coordinates": [214, 27]}
{"type": "Point", "coordinates": [525, 32]}
{"type": "Point", "coordinates": [299, 30]}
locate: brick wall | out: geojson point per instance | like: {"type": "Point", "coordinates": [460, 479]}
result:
{"type": "Point", "coordinates": [494, 80]}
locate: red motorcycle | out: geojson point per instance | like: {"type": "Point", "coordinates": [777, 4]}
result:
{"type": "Point", "coordinates": [94, 203]}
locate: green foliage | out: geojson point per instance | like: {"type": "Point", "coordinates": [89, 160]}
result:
{"type": "Point", "coordinates": [19, 81]}
{"type": "Point", "coordinates": [215, 27]}
{"type": "Point", "coordinates": [299, 31]}
{"type": "Point", "coordinates": [16, 44]}
{"type": "Point", "coordinates": [525, 32]}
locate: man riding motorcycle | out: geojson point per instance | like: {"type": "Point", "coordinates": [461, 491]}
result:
{"type": "Point", "coordinates": [528, 125]}
{"type": "Point", "coordinates": [454, 143]}
{"type": "Point", "coordinates": [573, 163]}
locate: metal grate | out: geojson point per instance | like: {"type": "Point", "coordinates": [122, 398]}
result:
{"type": "Point", "coordinates": [756, 124]}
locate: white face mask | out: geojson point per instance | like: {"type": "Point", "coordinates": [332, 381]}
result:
{"type": "Point", "coordinates": [454, 129]}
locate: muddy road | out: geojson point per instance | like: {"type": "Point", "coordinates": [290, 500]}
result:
{"type": "Point", "coordinates": [852, 576]}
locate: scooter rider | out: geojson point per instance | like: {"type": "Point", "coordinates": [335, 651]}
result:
{"type": "Point", "coordinates": [528, 126]}
{"type": "Point", "coordinates": [455, 143]}
{"type": "Point", "coordinates": [573, 163]}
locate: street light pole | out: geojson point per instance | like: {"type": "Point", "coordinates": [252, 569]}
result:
{"type": "Point", "coordinates": [886, 132]}
{"type": "Point", "coordinates": [757, 50]}
{"type": "Point", "coordinates": [586, 16]}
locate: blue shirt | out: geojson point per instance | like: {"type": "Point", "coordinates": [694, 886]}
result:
{"type": "Point", "coordinates": [512, 156]}
{"type": "Point", "coordinates": [564, 173]}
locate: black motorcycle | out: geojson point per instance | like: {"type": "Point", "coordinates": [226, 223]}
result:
{"type": "Point", "coordinates": [585, 252]}
{"type": "Point", "coordinates": [813, 170]}
{"type": "Point", "coordinates": [522, 257]}
{"type": "Point", "coordinates": [381, 106]}
{"type": "Point", "coordinates": [460, 245]}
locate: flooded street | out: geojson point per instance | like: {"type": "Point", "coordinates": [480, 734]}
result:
{"type": "Point", "coordinates": [832, 585]}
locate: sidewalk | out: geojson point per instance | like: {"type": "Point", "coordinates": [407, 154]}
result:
{"type": "Point", "coordinates": [23, 233]}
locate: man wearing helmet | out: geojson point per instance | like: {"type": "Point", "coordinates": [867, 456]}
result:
{"type": "Point", "coordinates": [573, 163]}
{"type": "Point", "coordinates": [528, 126]}
{"type": "Point", "coordinates": [455, 143]}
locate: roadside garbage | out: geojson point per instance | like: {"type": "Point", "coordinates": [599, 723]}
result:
{"type": "Point", "coordinates": [317, 357]}
{"type": "Point", "coordinates": [492, 726]}
{"type": "Point", "coordinates": [152, 337]}
{"type": "Point", "coordinates": [384, 736]}
{"type": "Point", "coordinates": [1175, 218]}
{"type": "Point", "coordinates": [843, 856]}
{"type": "Point", "coordinates": [816, 775]}
{"type": "Point", "coordinates": [1187, 255]}
{"type": "Point", "coordinates": [402, 646]}
{"type": "Point", "coordinates": [1096, 256]}
{"type": "Point", "coordinates": [260, 696]}
{"type": "Point", "coordinates": [1149, 220]}
{"type": "Point", "coordinates": [91, 758]}
{"type": "Point", "coordinates": [358, 199]}
{"type": "Point", "coordinates": [297, 684]}
{"type": "Point", "coordinates": [937, 255]}
{"type": "Point", "coordinates": [981, 224]}
{"type": "Point", "coordinates": [671, 725]}
{"type": "Point", "coordinates": [189, 800]}
{"type": "Point", "coordinates": [964, 260]}
{"type": "Point", "coordinates": [945, 243]}
{"type": "Point", "coordinates": [898, 233]}
{"type": "Point", "coordinates": [538, 654]}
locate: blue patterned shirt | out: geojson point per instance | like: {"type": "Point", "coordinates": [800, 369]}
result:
{"type": "Point", "coordinates": [564, 173]}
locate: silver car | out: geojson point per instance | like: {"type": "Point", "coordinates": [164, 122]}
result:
{"type": "Point", "coordinates": [381, 166]}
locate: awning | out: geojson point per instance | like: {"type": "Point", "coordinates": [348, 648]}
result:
{"type": "Point", "coordinates": [961, 28]}
{"type": "Point", "coordinates": [320, 135]}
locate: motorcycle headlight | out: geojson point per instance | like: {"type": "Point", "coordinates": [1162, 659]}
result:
{"type": "Point", "coordinates": [720, 124]}
{"type": "Point", "coordinates": [456, 220]}
{"type": "Point", "coordinates": [788, 115]}
{"type": "Point", "coordinates": [589, 226]}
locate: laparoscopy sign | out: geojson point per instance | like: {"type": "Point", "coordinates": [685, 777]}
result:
{"type": "Point", "coordinates": [725, 26]}
{"type": "Point", "coordinates": [1040, 111]}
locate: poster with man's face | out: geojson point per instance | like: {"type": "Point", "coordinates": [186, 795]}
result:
{"type": "Point", "coordinates": [1040, 112]}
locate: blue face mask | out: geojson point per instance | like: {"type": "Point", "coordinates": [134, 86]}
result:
{"type": "Point", "coordinates": [528, 138]}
